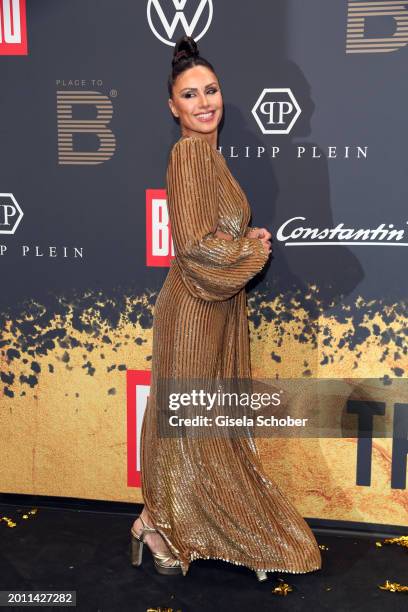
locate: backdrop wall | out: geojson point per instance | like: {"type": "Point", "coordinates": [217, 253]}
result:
{"type": "Point", "coordinates": [315, 99]}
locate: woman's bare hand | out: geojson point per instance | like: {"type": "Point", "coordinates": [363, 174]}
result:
{"type": "Point", "coordinates": [267, 241]}
{"type": "Point", "coordinates": [264, 235]}
{"type": "Point", "coordinates": [253, 232]}
{"type": "Point", "coordinates": [223, 235]}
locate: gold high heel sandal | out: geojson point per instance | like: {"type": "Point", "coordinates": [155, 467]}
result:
{"type": "Point", "coordinates": [160, 559]}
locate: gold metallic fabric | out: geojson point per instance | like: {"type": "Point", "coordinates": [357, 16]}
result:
{"type": "Point", "coordinates": [210, 498]}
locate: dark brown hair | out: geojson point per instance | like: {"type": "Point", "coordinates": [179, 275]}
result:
{"type": "Point", "coordinates": [185, 56]}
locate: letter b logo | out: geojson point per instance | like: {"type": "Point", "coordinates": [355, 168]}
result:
{"type": "Point", "coordinates": [97, 127]}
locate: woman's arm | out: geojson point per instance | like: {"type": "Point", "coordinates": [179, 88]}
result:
{"type": "Point", "coordinates": [213, 268]}
{"type": "Point", "coordinates": [223, 235]}
{"type": "Point", "coordinates": [250, 229]}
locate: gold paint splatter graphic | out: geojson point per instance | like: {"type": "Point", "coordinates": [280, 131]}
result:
{"type": "Point", "coordinates": [63, 410]}
{"type": "Point", "coordinates": [292, 337]}
{"type": "Point", "coordinates": [93, 333]}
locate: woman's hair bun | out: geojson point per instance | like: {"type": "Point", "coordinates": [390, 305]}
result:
{"type": "Point", "coordinates": [185, 48]}
{"type": "Point", "coordinates": [185, 56]}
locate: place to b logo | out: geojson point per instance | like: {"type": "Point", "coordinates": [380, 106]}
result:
{"type": "Point", "coordinates": [193, 16]}
{"type": "Point", "coordinates": [69, 127]}
{"type": "Point", "coordinates": [379, 13]}
{"type": "Point", "coordinates": [276, 110]}
{"type": "Point", "coordinates": [13, 27]}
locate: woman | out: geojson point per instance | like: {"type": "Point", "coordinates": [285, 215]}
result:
{"type": "Point", "coordinates": [209, 499]}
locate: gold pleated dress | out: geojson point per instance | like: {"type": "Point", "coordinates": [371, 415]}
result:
{"type": "Point", "coordinates": [210, 498]}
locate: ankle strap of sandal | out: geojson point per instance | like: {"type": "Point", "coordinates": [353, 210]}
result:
{"type": "Point", "coordinates": [146, 528]}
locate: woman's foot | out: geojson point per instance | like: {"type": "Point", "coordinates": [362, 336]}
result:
{"type": "Point", "coordinates": [153, 540]}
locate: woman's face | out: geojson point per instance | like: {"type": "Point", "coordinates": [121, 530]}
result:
{"type": "Point", "coordinates": [197, 101]}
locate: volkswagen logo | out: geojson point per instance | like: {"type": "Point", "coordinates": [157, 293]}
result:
{"type": "Point", "coordinates": [164, 29]}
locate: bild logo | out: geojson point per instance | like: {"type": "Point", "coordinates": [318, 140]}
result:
{"type": "Point", "coordinates": [13, 27]}
{"type": "Point", "coordinates": [194, 17]}
{"type": "Point", "coordinates": [137, 392]}
{"type": "Point", "coordinates": [159, 242]}
{"type": "Point", "coordinates": [10, 213]}
{"type": "Point", "coordinates": [276, 110]}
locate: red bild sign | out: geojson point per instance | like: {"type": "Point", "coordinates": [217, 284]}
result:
{"type": "Point", "coordinates": [13, 27]}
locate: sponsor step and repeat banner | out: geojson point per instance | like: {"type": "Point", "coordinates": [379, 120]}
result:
{"type": "Point", "coordinates": [315, 102]}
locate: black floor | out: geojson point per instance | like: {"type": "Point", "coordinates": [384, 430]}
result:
{"type": "Point", "coordinates": [88, 551]}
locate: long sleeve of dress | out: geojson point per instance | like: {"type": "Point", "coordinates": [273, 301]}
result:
{"type": "Point", "coordinates": [212, 268]}
{"type": "Point", "coordinates": [249, 228]}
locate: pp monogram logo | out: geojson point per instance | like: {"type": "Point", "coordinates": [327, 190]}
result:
{"type": "Point", "coordinates": [200, 19]}
{"type": "Point", "coordinates": [10, 213]}
{"type": "Point", "coordinates": [276, 111]}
